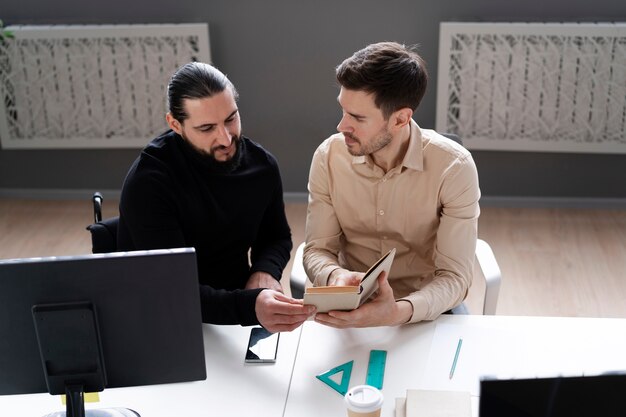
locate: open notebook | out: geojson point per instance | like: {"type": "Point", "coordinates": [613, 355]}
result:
{"type": "Point", "coordinates": [349, 297]}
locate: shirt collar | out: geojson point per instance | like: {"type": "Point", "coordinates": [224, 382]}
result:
{"type": "Point", "coordinates": [414, 158]}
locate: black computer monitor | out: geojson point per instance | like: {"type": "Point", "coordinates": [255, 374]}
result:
{"type": "Point", "coordinates": [576, 396]}
{"type": "Point", "coordinates": [99, 321]}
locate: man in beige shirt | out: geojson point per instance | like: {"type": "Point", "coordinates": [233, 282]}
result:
{"type": "Point", "coordinates": [383, 183]}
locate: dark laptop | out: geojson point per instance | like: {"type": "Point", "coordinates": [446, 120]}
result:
{"type": "Point", "coordinates": [588, 396]}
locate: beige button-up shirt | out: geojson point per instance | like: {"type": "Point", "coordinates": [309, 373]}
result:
{"type": "Point", "coordinates": [426, 208]}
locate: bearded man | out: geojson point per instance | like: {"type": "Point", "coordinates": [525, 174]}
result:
{"type": "Point", "coordinates": [202, 184]}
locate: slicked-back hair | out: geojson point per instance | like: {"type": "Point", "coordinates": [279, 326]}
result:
{"type": "Point", "coordinates": [394, 74]}
{"type": "Point", "coordinates": [194, 80]}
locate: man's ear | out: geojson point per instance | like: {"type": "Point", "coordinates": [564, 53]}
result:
{"type": "Point", "coordinates": [400, 118]}
{"type": "Point", "coordinates": [174, 124]}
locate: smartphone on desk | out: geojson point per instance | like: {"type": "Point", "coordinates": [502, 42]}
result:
{"type": "Point", "coordinates": [262, 346]}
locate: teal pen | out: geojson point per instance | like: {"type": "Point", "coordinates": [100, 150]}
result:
{"type": "Point", "coordinates": [456, 357]}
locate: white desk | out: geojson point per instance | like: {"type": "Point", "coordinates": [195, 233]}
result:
{"type": "Point", "coordinates": [505, 346]}
{"type": "Point", "coordinates": [232, 388]}
{"type": "Point", "coordinates": [509, 346]}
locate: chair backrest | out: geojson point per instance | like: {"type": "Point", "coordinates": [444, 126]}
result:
{"type": "Point", "coordinates": [104, 235]}
{"type": "Point", "coordinates": [103, 232]}
{"type": "Point", "coordinates": [492, 274]}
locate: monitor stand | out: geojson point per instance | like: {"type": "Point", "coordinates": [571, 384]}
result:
{"type": "Point", "coordinates": [75, 406]}
{"type": "Point", "coordinates": [71, 356]}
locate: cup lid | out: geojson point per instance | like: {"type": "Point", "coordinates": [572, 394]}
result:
{"type": "Point", "coordinates": [364, 398]}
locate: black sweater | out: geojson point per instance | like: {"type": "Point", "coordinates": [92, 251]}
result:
{"type": "Point", "coordinates": [172, 199]}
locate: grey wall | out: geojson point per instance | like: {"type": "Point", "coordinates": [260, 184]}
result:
{"type": "Point", "coordinates": [281, 56]}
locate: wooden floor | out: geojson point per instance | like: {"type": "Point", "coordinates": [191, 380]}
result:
{"type": "Point", "coordinates": [554, 262]}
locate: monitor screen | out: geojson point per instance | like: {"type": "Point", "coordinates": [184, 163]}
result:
{"type": "Point", "coordinates": [140, 311]}
{"type": "Point", "coordinates": [580, 396]}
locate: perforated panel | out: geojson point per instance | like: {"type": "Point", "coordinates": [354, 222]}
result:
{"type": "Point", "coordinates": [534, 87]}
{"type": "Point", "coordinates": [91, 86]}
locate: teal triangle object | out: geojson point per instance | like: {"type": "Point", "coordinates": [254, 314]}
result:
{"type": "Point", "coordinates": [342, 387]}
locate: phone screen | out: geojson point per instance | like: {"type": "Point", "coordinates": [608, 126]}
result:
{"type": "Point", "coordinates": [262, 346]}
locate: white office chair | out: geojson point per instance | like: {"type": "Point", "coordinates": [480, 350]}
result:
{"type": "Point", "coordinates": [487, 263]}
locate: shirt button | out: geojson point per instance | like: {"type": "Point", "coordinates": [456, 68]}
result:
{"type": "Point", "coordinates": [384, 179]}
{"type": "Point", "coordinates": [382, 212]}
{"type": "Point", "coordinates": [384, 237]}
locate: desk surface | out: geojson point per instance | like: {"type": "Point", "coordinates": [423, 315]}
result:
{"type": "Point", "coordinates": [232, 387]}
{"type": "Point", "coordinates": [419, 356]}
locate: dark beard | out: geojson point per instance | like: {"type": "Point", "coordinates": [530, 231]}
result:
{"type": "Point", "coordinates": [209, 162]}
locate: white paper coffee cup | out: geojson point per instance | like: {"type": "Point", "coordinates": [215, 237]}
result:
{"type": "Point", "coordinates": [364, 401]}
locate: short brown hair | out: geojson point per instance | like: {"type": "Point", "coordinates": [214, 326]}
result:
{"type": "Point", "coordinates": [395, 74]}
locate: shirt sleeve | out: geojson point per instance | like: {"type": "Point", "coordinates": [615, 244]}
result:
{"type": "Point", "coordinates": [323, 231]}
{"type": "Point", "coordinates": [455, 244]}
{"type": "Point", "coordinates": [272, 248]}
{"type": "Point", "coordinates": [228, 307]}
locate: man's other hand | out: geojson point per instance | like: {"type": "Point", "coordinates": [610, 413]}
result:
{"type": "Point", "coordinates": [279, 313]}
{"type": "Point", "coordinates": [383, 310]}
